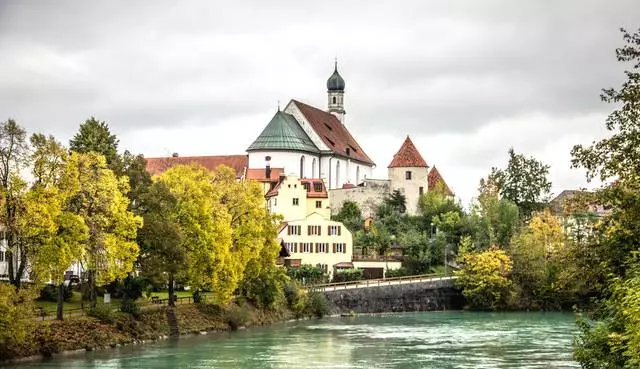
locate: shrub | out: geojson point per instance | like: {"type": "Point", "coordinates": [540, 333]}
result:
{"type": "Point", "coordinates": [296, 298]}
{"type": "Point", "coordinates": [484, 279]}
{"type": "Point", "coordinates": [16, 318]}
{"type": "Point", "coordinates": [316, 304]}
{"type": "Point", "coordinates": [50, 293]}
{"type": "Point", "coordinates": [237, 316]}
{"type": "Point", "coordinates": [130, 307]}
{"type": "Point", "coordinates": [265, 290]}
{"type": "Point", "coordinates": [307, 274]}
{"type": "Point", "coordinates": [400, 272]}
{"type": "Point", "coordinates": [347, 275]}
{"type": "Point", "coordinates": [102, 312]}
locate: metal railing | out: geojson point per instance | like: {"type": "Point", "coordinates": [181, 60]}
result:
{"type": "Point", "coordinates": [379, 282]}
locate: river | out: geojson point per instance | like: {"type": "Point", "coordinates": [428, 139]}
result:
{"type": "Point", "coordinates": [416, 340]}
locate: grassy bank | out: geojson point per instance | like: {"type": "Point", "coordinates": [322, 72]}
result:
{"type": "Point", "coordinates": [88, 333]}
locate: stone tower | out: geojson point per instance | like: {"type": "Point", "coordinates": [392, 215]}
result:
{"type": "Point", "coordinates": [409, 173]}
{"type": "Point", "coordinates": [335, 92]}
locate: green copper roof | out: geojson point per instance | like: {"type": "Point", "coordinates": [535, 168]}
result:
{"type": "Point", "coordinates": [283, 133]}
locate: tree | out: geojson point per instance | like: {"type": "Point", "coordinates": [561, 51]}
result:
{"type": "Point", "coordinates": [14, 153]}
{"type": "Point", "coordinates": [524, 182]}
{"type": "Point", "coordinates": [535, 252]}
{"type": "Point", "coordinates": [16, 318]}
{"type": "Point", "coordinates": [95, 136]}
{"type": "Point", "coordinates": [397, 201]}
{"type": "Point", "coordinates": [484, 278]}
{"type": "Point", "coordinates": [135, 168]}
{"type": "Point", "coordinates": [350, 215]}
{"type": "Point", "coordinates": [99, 198]}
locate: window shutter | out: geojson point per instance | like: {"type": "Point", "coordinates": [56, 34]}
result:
{"type": "Point", "coordinates": [309, 230]}
{"type": "Point", "coordinates": [319, 231]}
{"type": "Point", "coordinates": [334, 248]}
{"type": "Point", "coordinates": [295, 247]}
{"type": "Point", "coordinates": [289, 230]}
{"type": "Point", "coordinates": [344, 248]}
{"type": "Point", "coordinates": [339, 230]}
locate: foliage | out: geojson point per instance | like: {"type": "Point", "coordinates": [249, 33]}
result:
{"type": "Point", "coordinates": [237, 316]}
{"type": "Point", "coordinates": [16, 317]}
{"type": "Point", "coordinates": [613, 340]}
{"type": "Point", "coordinates": [524, 181]}
{"type": "Point", "coordinates": [484, 278]}
{"type": "Point", "coordinates": [102, 312]}
{"type": "Point", "coordinates": [307, 274]}
{"type": "Point", "coordinates": [396, 201]}
{"type": "Point", "coordinates": [50, 293]}
{"type": "Point", "coordinates": [535, 254]}
{"type": "Point", "coordinates": [347, 275]}
{"type": "Point", "coordinates": [317, 305]}
{"type": "Point", "coordinates": [95, 136]}
{"type": "Point", "coordinates": [296, 298]}
{"type": "Point", "coordinates": [130, 306]}
{"type": "Point", "coordinates": [266, 289]}
{"type": "Point", "coordinates": [350, 215]}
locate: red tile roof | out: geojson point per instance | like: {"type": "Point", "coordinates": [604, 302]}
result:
{"type": "Point", "coordinates": [311, 192]}
{"type": "Point", "coordinates": [237, 162]}
{"type": "Point", "coordinates": [259, 174]}
{"type": "Point", "coordinates": [408, 156]}
{"type": "Point", "coordinates": [334, 134]}
{"type": "Point", "coordinates": [434, 177]}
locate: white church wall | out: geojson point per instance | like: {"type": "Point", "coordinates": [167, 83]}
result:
{"type": "Point", "coordinates": [292, 109]}
{"type": "Point", "coordinates": [290, 161]}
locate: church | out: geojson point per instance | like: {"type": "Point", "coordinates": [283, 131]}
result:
{"type": "Point", "coordinates": [309, 142]}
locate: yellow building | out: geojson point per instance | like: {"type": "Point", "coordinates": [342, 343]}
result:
{"type": "Point", "coordinates": [307, 231]}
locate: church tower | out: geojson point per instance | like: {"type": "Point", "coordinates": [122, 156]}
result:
{"type": "Point", "coordinates": [335, 91]}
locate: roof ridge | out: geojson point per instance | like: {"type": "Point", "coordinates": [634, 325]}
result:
{"type": "Point", "coordinates": [408, 156]}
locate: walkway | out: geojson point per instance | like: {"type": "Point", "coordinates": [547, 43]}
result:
{"type": "Point", "coordinates": [379, 282]}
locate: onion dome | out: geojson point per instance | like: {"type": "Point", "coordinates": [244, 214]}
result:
{"type": "Point", "coordinates": [335, 82]}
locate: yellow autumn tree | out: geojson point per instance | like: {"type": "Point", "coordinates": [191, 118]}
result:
{"type": "Point", "coordinates": [100, 199]}
{"type": "Point", "coordinates": [535, 252]}
{"type": "Point", "coordinates": [484, 278]}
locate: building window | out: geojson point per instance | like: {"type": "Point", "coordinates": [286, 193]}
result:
{"type": "Point", "coordinates": [1, 256]}
{"type": "Point", "coordinates": [275, 201]}
{"type": "Point", "coordinates": [291, 246]}
{"type": "Point", "coordinates": [306, 247]}
{"type": "Point", "coordinates": [294, 230]}
{"type": "Point", "coordinates": [296, 201]}
{"type": "Point", "coordinates": [302, 167]}
{"type": "Point", "coordinates": [313, 168]}
{"type": "Point", "coordinates": [334, 99]}
{"type": "Point", "coordinates": [340, 248]}
{"type": "Point", "coordinates": [314, 230]}
{"type": "Point", "coordinates": [407, 175]}
{"type": "Point", "coordinates": [307, 186]}
{"type": "Point", "coordinates": [334, 230]}
{"type": "Point", "coordinates": [318, 204]}
{"type": "Point", "coordinates": [338, 175]}
{"type": "Point", "coordinates": [317, 186]}
{"type": "Point", "coordinates": [357, 175]}
{"type": "Point", "coordinates": [421, 190]}
{"type": "Point", "coordinates": [322, 248]}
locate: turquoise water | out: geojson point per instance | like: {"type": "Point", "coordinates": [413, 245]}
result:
{"type": "Point", "coordinates": [420, 340]}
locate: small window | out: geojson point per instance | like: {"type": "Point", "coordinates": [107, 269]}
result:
{"type": "Point", "coordinates": [421, 190]}
{"type": "Point", "coordinates": [289, 186]}
{"type": "Point", "coordinates": [334, 99]}
{"type": "Point", "coordinates": [317, 186]}
{"type": "Point", "coordinates": [275, 201]}
{"type": "Point", "coordinates": [318, 204]}
{"type": "Point", "coordinates": [295, 230]}
{"type": "Point", "coordinates": [407, 175]}
{"type": "Point", "coordinates": [322, 248]}
{"type": "Point", "coordinates": [1, 256]}
{"type": "Point", "coordinates": [307, 186]}
{"type": "Point", "coordinates": [339, 248]}
{"type": "Point", "coordinates": [334, 230]}
{"type": "Point", "coordinates": [314, 230]}
{"type": "Point", "coordinates": [295, 201]}
{"type": "Point", "coordinates": [306, 247]}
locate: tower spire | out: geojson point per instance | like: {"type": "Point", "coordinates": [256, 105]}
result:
{"type": "Point", "coordinates": [335, 91]}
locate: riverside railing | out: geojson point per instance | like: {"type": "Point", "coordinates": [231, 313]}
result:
{"type": "Point", "coordinates": [378, 282]}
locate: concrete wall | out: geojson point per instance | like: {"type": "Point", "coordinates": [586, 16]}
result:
{"type": "Point", "coordinates": [424, 296]}
{"type": "Point", "coordinates": [368, 197]}
{"type": "Point", "coordinates": [410, 187]}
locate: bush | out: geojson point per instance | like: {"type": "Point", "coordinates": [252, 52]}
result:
{"type": "Point", "coordinates": [347, 275]}
{"type": "Point", "coordinates": [50, 293]}
{"type": "Point", "coordinates": [316, 305]}
{"type": "Point", "coordinates": [130, 307]}
{"type": "Point", "coordinates": [400, 272]}
{"type": "Point", "coordinates": [307, 274]}
{"type": "Point", "coordinates": [102, 312]}
{"type": "Point", "coordinates": [484, 279]}
{"type": "Point", "coordinates": [16, 318]}
{"type": "Point", "coordinates": [237, 316]}
{"type": "Point", "coordinates": [296, 298]}
{"type": "Point", "coordinates": [265, 290]}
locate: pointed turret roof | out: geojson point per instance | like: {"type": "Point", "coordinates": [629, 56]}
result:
{"type": "Point", "coordinates": [283, 133]}
{"type": "Point", "coordinates": [434, 178]}
{"type": "Point", "coordinates": [408, 157]}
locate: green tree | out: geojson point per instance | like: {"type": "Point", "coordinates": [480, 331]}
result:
{"type": "Point", "coordinates": [484, 278]}
{"type": "Point", "coordinates": [14, 155]}
{"type": "Point", "coordinates": [95, 136]}
{"type": "Point", "coordinates": [612, 340]}
{"type": "Point", "coordinates": [350, 215]}
{"type": "Point", "coordinates": [524, 181]}
{"type": "Point", "coordinates": [100, 199]}
{"type": "Point", "coordinates": [135, 168]}
{"type": "Point", "coordinates": [397, 201]}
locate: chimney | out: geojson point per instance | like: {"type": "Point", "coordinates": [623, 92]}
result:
{"type": "Point", "coordinates": [174, 155]}
{"type": "Point", "coordinates": [267, 170]}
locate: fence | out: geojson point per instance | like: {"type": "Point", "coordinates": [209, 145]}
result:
{"type": "Point", "coordinates": [378, 282]}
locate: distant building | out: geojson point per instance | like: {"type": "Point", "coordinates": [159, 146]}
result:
{"type": "Point", "coordinates": [578, 212]}
{"type": "Point", "coordinates": [408, 173]}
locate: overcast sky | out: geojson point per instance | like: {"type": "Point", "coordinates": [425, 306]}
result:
{"type": "Point", "coordinates": [466, 80]}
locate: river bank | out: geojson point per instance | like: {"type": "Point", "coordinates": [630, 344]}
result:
{"type": "Point", "coordinates": [53, 338]}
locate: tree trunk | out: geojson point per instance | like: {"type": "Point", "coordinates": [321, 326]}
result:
{"type": "Point", "coordinates": [171, 291]}
{"type": "Point", "coordinates": [59, 311]}
{"type": "Point", "coordinates": [12, 276]}
{"type": "Point", "coordinates": [92, 288]}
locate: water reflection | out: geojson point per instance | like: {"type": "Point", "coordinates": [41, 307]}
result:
{"type": "Point", "coordinates": [424, 340]}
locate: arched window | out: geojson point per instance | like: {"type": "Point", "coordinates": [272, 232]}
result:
{"type": "Point", "coordinates": [313, 169]}
{"type": "Point", "coordinates": [338, 174]}
{"type": "Point", "coordinates": [334, 99]}
{"type": "Point", "coordinates": [357, 175]}
{"type": "Point", "coordinates": [302, 167]}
